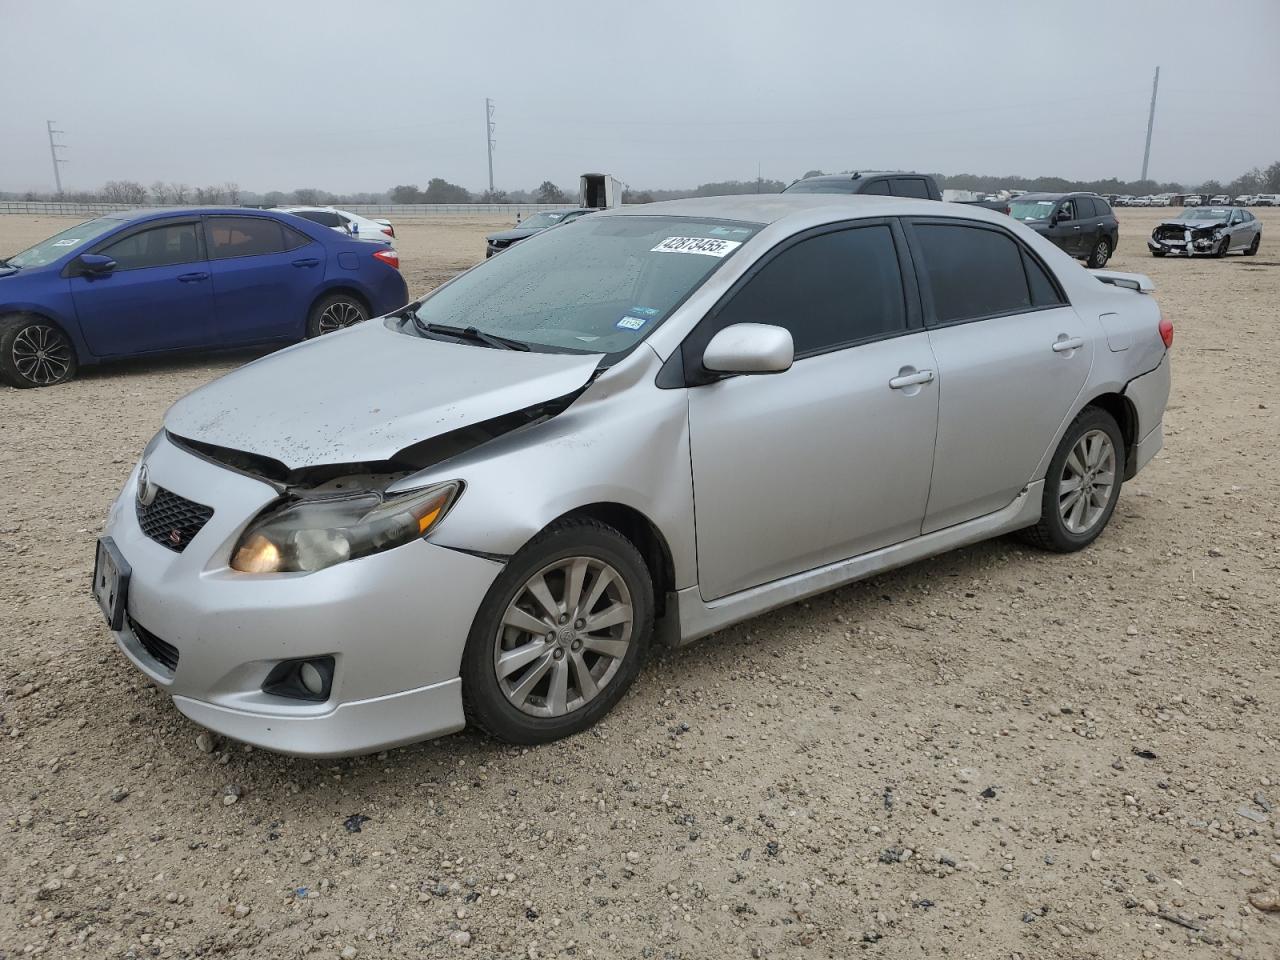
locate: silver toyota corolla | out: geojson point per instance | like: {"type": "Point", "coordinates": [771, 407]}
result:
{"type": "Point", "coordinates": [486, 507]}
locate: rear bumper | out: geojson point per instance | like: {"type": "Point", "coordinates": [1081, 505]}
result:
{"type": "Point", "coordinates": [1149, 395]}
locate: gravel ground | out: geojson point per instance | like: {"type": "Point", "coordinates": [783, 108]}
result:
{"type": "Point", "coordinates": [995, 753]}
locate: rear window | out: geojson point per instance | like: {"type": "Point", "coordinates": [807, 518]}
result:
{"type": "Point", "coordinates": [972, 272]}
{"type": "Point", "coordinates": [911, 187]}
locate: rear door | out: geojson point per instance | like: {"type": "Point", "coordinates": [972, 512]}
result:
{"type": "Point", "coordinates": [265, 277]}
{"type": "Point", "coordinates": [1012, 358]}
{"type": "Point", "coordinates": [158, 297]}
{"type": "Point", "coordinates": [829, 459]}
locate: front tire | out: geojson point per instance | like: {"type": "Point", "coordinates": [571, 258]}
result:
{"type": "Point", "coordinates": [561, 635]}
{"type": "Point", "coordinates": [1253, 247]}
{"type": "Point", "coordinates": [34, 353]}
{"type": "Point", "coordinates": [335, 312]}
{"type": "Point", "coordinates": [1082, 484]}
{"type": "Point", "coordinates": [1101, 254]}
{"type": "Point", "coordinates": [1223, 247]}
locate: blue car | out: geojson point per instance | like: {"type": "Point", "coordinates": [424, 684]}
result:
{"type": "Point", "coordinates": [151, 281]}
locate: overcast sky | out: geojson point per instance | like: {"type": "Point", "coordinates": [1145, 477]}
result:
{"type": "Point", "coordinates": [346, 96]}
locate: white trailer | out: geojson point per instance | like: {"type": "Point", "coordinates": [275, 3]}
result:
{"type": "Point", "coordinates": [599, 190]}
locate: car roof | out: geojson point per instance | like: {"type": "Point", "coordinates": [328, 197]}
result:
{"type": "Point", "coordinates": [859, 175]}
{"type": "Point", "coordinates": [766, 208]}
{"type": "Point", "coordinates": [1044, 195]}
{"type": "Point", "coordinates": [147, 213]}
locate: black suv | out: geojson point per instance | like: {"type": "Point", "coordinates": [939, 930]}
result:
{"type": "Point", "coordinates": [1082, 224]}
{"type": "Point", "coordinates": [918, 185]}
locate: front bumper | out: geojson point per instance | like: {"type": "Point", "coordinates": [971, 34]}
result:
{"type": "Point", "coordinates": [1183, 248]}
{"type": "Point", "coordinates": [395, 624]}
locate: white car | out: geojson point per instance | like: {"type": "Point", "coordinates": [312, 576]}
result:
{"type": "Point", "coordinates": [1244, 200]}
{"type": "Point", "coordinates": [1267, 200]}
{"type": "Point", "coordinates": [1192, 201]}
{"type": "Point", "coordinates": [1220, 200]}
{"type": "Point", "coordinates": [351, 224]}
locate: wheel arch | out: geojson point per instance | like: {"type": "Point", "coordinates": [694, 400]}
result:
{"type": "Point", "coordinates": [1125, 414]}
{"type": "Point", "coordinates": [337, 286]}
{"type": "Point", "coordinates": [70, 330]}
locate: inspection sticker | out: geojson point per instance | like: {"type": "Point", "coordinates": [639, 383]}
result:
{"type": "Point", "coordinates": [65, 243]}
{"type": "Point", "coordinates": [631, 323]}
{"type": "Point", "coordinates": [706, 246]}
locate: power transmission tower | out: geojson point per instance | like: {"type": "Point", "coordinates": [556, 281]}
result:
{"type": "Point", "coordinates": [1151, 120]}
{"type": "Point", "coordinates": [53, 152]}
{"type": "Point", "coordinates": [488, 134]}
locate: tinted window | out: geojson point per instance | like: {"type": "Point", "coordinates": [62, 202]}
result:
{"type": "Point", "coordinates": [322, 217]}
{"type": "Point", "coordinates": [878, 188]}
{"type": "Point", "coordinates": [1103, 208]}
{"type": "Point", "coordinates": [828, 290]}
{"type": "Point", "coordinates": [1043, 292]}
{"type": "Point", "coordinates": [157, 247]}
{"type": "Point", "coordinates": [972, 272]}
{"type": "Point", "coordinates": [244, 237]}
{"type": "Point", "coordinates": [911, 187]}
{"type": "Point", "coordinates": [294, 239]}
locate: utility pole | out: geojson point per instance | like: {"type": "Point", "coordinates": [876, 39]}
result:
{"type": "Point", "coordinates": [53, 152]}
{"type": "Point", "coordinates": [1151, 120]}
{"type": "Point", "coordinates": [488, 135]}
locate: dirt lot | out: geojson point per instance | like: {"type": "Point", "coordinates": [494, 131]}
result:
{"type": "Point", "coordinates": [996, 753]}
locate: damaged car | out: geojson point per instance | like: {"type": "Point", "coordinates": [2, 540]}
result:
{"type": "Point", "coordinates": [1211, 231]}
{"type": "Point", "coordinates": [638, 431]}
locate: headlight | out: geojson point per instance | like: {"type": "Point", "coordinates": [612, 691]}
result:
{"type": "Point", "coordinates": [308, 535]}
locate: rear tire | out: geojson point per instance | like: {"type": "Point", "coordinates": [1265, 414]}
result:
{"type": "Point", "coordinates": [34, 352]}
{"type": "Point", "coordinates": [1253, 247]}
{"type": "Point", "coordinates": [1101, 254]}
{"type": "Point", "coordinates": [335, 312]}
{"type": "Point", "coordinates": [587, 571]}
{"type": "Point", "coordinates": [1082, 484]}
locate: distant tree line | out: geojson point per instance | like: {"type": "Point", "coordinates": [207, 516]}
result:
{"type": "Point", "coordinates": [439, 190]}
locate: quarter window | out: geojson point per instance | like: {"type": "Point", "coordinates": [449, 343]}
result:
{"type": "Point", "coordinates": [157, 247]}
{"type": "Point", "coordinates": [973, 272]}
{"type": "Point", "coordinates": [245, 237]}
{"type": "Point", "coordinates": [830, 290]}
{"type": "Point", "coordinates": [910, 187]}
{"type": "Point", "coordinates": [878, 188]}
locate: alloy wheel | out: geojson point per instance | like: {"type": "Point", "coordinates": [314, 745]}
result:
{"type": "Point", "coordinates": [41, 354]}
{"type": "Point", "coordinates": [339, 315]}
{"type": "Point", "coordinates": [563, 637]}
{"type": "Point", "coordinates": [1088, 479]}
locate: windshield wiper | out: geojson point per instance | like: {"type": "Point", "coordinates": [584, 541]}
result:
{"type": "Point", "coordinates": [469, 333]}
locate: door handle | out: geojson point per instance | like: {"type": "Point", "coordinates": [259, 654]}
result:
{"type": "Point", "coordinates": [1077, 226]}
{"type": "Point", "coordinates": [911, 379]}
{"type": "Point", "coordinates": [192, 277]}
{"type": "Point", "coordinates": [306, 262]}
{"type": "Point", "coordinates": [1064, 343]}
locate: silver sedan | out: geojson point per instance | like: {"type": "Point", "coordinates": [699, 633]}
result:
{"type": "Point", "coordinates": [487, 507]}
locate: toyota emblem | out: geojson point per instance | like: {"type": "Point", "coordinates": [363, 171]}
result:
{"type": "Point", "coordinates": [146, 489]}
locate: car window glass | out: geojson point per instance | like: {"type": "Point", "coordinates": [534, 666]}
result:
{"type": "Point", "coordinates": [1043, 292]}
{"type": "Point", "coordinates": [294, 238]}
{"type": "Point", "coordinates": [1068, 209]}
{"type": "Point", "coordinates": [828, 290]}
{"type": "Point", "coordinates": [910, 187]}
{"type": "Point", "coordinates": [879, 188]}
{"type": "Point", "coordinates": [157, 247]}
{"type": "Point", "coordinates": [972, 272]}
{"type": "Point", "coordinates": [1103, 208]}
{"type": "Point", "coordinates": [1087, 207]}
{"type": "Point", "coordinates": [243, 237]}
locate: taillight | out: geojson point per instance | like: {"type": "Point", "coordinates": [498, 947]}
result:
{"type": "Point", "coordinates": [389, 230]}
{"type": "Point", "coordinates": [389, 257]}
{"type": "Point", "coordinates": [1166, 332]}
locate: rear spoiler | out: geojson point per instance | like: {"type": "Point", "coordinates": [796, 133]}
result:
{"type": "Point", "coordinates": [1130, 281]}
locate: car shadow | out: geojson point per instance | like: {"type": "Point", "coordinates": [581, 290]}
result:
{"type": "Point", "coordinates": [171, 363]}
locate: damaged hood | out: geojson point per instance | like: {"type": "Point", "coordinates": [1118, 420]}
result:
{"type": "Point", "coordinates": [1192, 224]}
{"type": "Point", "coordinates": [366, 393]}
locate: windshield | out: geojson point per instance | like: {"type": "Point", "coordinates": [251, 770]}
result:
{"type": "Point", "coordinates": [1208, 213]}
{"type": "Point", "coordinates": [547, 218]}
{"type": "Point", "coordinates": [1032, 209]}
{"type": "Point", "coordinates": [823, 186]}
{"type": "Point", "coordinates": [60, 244]}
{"type": "Point", "coordinates": [598, 288]}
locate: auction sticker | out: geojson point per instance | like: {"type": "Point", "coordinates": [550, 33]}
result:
{"type": "Point", "coordinates": [631, 323]}
{"type": "Point", "coordinates": [707, 246]}
{"type": "Point", "coordinates": [66, 243]}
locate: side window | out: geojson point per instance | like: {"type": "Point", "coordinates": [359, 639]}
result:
{"type": "Point", "coordinates": [972, 272]}
{"type": "Point", "coordinates": [244, 237]}
{"type": "Point", "coordinates": [1237, 217]}
{"type": "Point", "coordinates": [1103, 208]}
{"type": "Point", "coordinates": [1043, 292]}
{"type": "Point", "coordinates": [1069, 210]}
{"type": "Point", "coordinates": [1085, 208]}
{"type": "Point", "coordinates": [877, 188]}
{"type": "Point", "coordinates": [157, 247]}
{"type": "Point", "coordinates": [828, 290]}
{"type": "Point", "coordinates": [910, 187]}
{"type": "Point", "coordinates": [293, 239]}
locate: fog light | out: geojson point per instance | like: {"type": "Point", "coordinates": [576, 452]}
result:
{"type": "Point", "coordinates": [310, 679]}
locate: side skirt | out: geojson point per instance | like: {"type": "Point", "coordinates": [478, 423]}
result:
{"type": "Point", "coordinates": [697, 618]}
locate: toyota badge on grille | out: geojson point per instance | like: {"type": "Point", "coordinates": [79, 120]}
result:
{"type": "Point", "coordinates": [146, 489]}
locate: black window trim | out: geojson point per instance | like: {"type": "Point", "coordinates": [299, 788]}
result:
{"type": "Point", "coordinates": [72, 269]}
{"type": "Point", "coordinates": [922, 281]}
{"type": "Point", "coordinates": [688, 356]}
{"type": "Point", "coordinates": [285, 229]}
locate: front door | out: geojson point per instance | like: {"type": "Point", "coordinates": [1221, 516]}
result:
{"type": "Point", "coordinates": [1066, 228]}
{"type": "Point", "coordinates": [158, 297]}
{"type": "Point", "coordinates": [1011, 336]}
{"type": "Point", "coordinates": [832, 458]}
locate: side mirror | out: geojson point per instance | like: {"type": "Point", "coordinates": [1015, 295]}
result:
{"type": "Point", "coordinates": [750, 348]}
{"type": "Point", "coordinates": [95, 264]}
